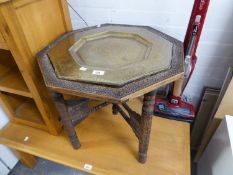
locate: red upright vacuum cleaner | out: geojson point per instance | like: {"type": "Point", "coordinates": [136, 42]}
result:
{"type": "Point", "coordinates": [173, 107]}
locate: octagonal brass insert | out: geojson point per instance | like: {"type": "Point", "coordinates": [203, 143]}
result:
{"type": "Point", "coordinates": [110, 50]}
{"type": "Point", "coordinates": [111, 54]}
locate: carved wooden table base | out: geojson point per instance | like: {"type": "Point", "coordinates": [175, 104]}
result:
{"type": "Point", "coordinates": [72, 112]}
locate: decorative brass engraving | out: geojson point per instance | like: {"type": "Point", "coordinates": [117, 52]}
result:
{"type": "Point", "coordinates": [110, 50]}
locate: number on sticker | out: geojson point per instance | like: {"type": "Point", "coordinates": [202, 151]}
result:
{"type": "Point", "coordinates": [87, 166]}
{"type": "Point", "coordinates": [98, 72]}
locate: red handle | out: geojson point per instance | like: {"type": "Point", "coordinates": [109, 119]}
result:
{"type": "Point", "coordinates": [200, 8]}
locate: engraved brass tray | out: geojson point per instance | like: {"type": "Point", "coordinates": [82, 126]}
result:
{"type": "Point", "coordinates": [111, 54]}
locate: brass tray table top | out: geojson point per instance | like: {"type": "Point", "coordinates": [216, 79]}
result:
{"type": "Point", "coordinates": [69, 65]}
{"type": "Point", "coordinates": [111, 54]}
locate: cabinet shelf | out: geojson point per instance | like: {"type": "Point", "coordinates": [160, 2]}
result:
{"type": "Point", "coordinates": [10, 78]}
{"type": "Point", "coordinates": [22, 110]}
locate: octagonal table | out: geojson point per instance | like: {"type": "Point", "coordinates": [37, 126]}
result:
{"type": "Point", "coordinates": [112, 64]}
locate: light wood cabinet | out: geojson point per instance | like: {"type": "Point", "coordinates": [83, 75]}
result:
{"type": "Point", "coordinates": [27, 26]}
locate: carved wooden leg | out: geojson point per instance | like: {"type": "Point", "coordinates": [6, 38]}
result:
{"type": "Point", "coordinates": [66, 120]}
{"type": "Point", "coordinates": [145, 124]}
{"type": "Point", "coordinates": [114, 109]}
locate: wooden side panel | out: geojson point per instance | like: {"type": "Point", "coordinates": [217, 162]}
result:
{"type": "Point", "coordinates": [66, 15]}
{"type": "Point", "coordinates": [41, 22]}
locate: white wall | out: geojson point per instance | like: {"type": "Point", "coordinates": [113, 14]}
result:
{"type": "Point", "coordinates": [6, 155]}
{"type": "Point", "coordinates": [4, 119]}
{"type": "Point", "coordinates": [215, 50]}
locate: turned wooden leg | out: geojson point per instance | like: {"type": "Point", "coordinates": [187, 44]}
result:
{"type": "Point", "coordinates": [178, 85]}
{"type": "Point", "coordinates": [114, 109]}
{"type": "Point", "coordinates": [145, 124]}
{"type": "Point", "coordinates": [66, 120]}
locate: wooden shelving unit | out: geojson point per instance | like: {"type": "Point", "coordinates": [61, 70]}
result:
{"type": "Point", "coordinates": [24, 31]}
{"type": "Point", "coordinates": [15, 96]}
{"type": "Point", "coordinates": [22, 110]}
